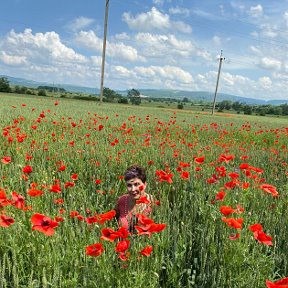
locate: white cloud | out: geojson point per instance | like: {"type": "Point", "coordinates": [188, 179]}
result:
{"type": "Point", "coordinates": [165, 72]}
{"type": "Point", "coordinates": [120, 50]}
{"type": "Point", "coordinates": [41, 47]}
{"type": "Point", "coordinates": [122, 36]}
{"type": "Point", "coordinates": [256, 11]}
{"type": "Point", "coordinates": [152, 20]}
{"type": "Point", "coordinates": [12, 59]}
{"type": "Point", "coordinates": [265, 82]}
{"type": "Point", "coordinates": [179, 11]}
{"type": "Point", "coordinates": [270, 63]}
{"type": "Point", "coordinates": [164, 46]}
{"type": "Point", "coordinates": [158, 2]}
{"type": "Point", "coordinates": [80, 23]}
{"type": "Point", "coordinates": [91, 41]}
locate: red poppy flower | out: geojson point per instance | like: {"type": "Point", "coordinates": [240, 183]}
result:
{"type": "Point", "coordinates": [146, 251]}
{"type": "Point", "coordinates": [122, 246]}
{"type": "Point", "coordinates": [74, 177]}
{"type": "Point", "coordinates": [69, 184]}
{"type": "Point", "coordinates": [227, 210]}
{"type": "Point", "coordinates": [28, 169]}
{"type": "Point", "coordinates": [98, 181]}
{"type": "Point", "coordinates": [109, 234]}
{"type": "Point", "coordinates": [283, 283]}
{"type": "Point", "coordinates": [255, 227]}
{"type": "Point", "coordinates": [55, 188]}
{"type": "Point", "coordinates": [234, 237]}
{"type": "Point", "coordinates": [269, 189]}
{"type": "Point", "coordinates": [164, 177]}
{"type": "Point", "coordinates": [143, 200]}
{"type": "Point", "coordinates": [6, 221]}
{"type": "Point", "coordinates": [6, 159]}
{"type": "Point", "coordinates": [199, 160]}
{"type": "Point", "coordinates": [123, 232]}
{"type": "Point", "coordinates": [34, 192]}
{"type": "Point", "coordinates": [234, 223]}
{"type": "Point", "coordinates": [62, 168]}
{"type": "Point", "coordinates": [102, 218]}
{"type": "Point", "coordinates": [263, 238]}
{"type": "Point", "coordinates": [19, 200]}
{"type": "Point", "coordinates": [94, 250]}
{"type": "Point", "coordinates": [185, 175]}
{"type": "Point", "coordinates": [220, 196]}
{"type": "Point", "coordinates": [43, 224]}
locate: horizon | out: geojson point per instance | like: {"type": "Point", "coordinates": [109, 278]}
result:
{"type": "Point", "coordinates": [159, 44]}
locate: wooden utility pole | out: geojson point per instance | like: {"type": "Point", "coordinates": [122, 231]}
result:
{"type": "Point", "coordinates": [104, 50]}
{"type": "Point", "coordinates": [218, 76]}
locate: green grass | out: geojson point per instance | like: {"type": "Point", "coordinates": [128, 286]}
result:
{"type": "Point", "coordinates": [194, 250]}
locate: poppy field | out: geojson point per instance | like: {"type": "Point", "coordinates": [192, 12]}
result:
{"type": "Point", "coordinates": [219, 183]}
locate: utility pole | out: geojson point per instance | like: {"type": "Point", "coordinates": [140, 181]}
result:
{"type": "Point", "coordinates": [218, 76]}
{"type": "Point", "coordinates": [104, 50]}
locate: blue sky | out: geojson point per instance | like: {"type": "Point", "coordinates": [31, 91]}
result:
{"type": "Point", "coordinates": [161, 44]}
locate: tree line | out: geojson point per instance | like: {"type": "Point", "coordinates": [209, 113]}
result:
{"type": "Point", "coordinates": [133, 96]}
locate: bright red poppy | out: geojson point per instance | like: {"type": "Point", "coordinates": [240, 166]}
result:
{"type": "Point", "coordinates": [269, 189]}
{"type": "Point", "coordinates": [234, 223]}
{"type": "Point", "coordinates": [283, 283]}
{"type": "Point", "coordinates": [164, 177]}
{"type": "Point", "coordinates": [27, 170]}
{"type": "Point", "coordinates": [102, 218]}
{"type": "Point", "coordinates": [227, 210]}
{"type": "Point", "coordinates": [43, 224]}
{"type": "Point", "coordinates": [185, 175]}
{"type": "Point", "coordinates": [34, 192]}
{"type": "Point", "coordinates": [263, 238]}
{"type": "Point", "coordinates": [122, 246]}
{"type": "Point", "coordinates": [146, 251]}
{"type": "Point", "coordinates": [94, 250]}
{"type": "Point", "coordinates": [199, 160]}
{"type": "Point", "coordinates": [109, 234]}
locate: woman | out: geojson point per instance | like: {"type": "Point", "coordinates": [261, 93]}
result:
{"type": "Point", "coordinates": [136, 201]}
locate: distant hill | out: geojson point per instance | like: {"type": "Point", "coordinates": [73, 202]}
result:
{"type": "Point", "coordinates": [34, 84]}
{"type": "Point", "coordinates": [206, 96]}
{"type": "Point", "coordinates": [154, 93]}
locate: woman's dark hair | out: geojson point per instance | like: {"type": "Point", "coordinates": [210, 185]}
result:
{"type": "Point", "coordinates": [135, 171]}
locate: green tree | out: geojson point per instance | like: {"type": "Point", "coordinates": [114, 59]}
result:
{"type": "Point", "coordinates": [109, 94]}
{"type": "Point", "coordinates": [42, 92]}
{"type": "Point", "coordinates": [134, 96]}
{"type": "Point", "coordinates": [4, 85]}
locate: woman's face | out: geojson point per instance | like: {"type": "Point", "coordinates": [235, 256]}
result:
{"type": "Point", "coordinates": [136, 188]}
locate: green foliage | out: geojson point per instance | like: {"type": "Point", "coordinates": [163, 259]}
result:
{"type": "Point", "coordinates": [180, 106]}
{"type": "Point", "coordinates": [4, 85]}
{"type": "Point", "coordinates": [134, 96]}
{"type": "Point", "coordinates": [42, 92]}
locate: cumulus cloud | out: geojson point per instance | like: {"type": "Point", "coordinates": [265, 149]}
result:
{"type": "Point", "coordinates": [91, 41]}
{"type": "Point", "coordinates": [154, 20]}
{"type": "Point", "coordinates": [270, 63]}
{"type": "Point", "coordinates": [165, 72]}
{"type": "Point", "coordinates": [12, 59]}
{"type": "Point", "coordinates": [40, 47]}
{"type": "Point", "coordinates": [164, 46]}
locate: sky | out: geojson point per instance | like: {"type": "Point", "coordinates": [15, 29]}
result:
{"type": "Point", "coordinates": [157, 44]}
